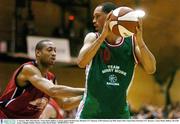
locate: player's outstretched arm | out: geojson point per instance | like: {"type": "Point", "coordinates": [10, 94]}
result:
{"type": "Point", "coordinates": [31, 74]}
{"type": "Point", "coordinates": [69, 103]}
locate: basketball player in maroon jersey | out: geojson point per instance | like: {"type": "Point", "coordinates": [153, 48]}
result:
{"type": "Point", "coordinates": [31, 85]}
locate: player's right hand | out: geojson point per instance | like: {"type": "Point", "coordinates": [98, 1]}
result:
{"type": "Point", "coordinates": [106, 28]}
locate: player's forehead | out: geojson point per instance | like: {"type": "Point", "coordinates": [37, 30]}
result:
{"type": "Point", "coordinates": [49, 44]}
{"type": "Point", "coordinates": [97, 10]}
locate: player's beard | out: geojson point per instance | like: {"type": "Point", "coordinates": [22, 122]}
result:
{"type": "Point", "coordinates": [48, 63]}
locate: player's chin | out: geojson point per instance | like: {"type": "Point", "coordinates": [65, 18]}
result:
{"type": "Point", "coordinates": [51, 63]}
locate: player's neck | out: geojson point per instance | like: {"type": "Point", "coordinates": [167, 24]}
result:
{"type": "Point", "coordinates": [43, 69]}
{"type": "Point", "coordinates": [113, 39]}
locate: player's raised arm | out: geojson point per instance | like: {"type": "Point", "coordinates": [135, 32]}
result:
{"type": "Point", "coordinates": [144, 55]}
{"type": "Point", "coordinates": [92, 42]}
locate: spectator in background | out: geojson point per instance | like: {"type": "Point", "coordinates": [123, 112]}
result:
{"type": "Point", "coordinates": [154, 112]}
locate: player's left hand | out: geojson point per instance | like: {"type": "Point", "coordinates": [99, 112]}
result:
{"type": "Point", "coordinates": [139, 30]}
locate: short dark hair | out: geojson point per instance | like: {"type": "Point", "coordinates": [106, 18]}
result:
{"type": "Point", "coordinates": [108, 7]}
{"type": "Point", "coordinates": [40, 44]}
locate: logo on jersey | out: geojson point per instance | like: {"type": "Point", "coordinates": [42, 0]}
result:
{"type": "Point", "coordinates": [38, 104]}
{"type": "Point", "coordinates": [106, 55]}
{"type": "Point", "coordinates": [113, 80]}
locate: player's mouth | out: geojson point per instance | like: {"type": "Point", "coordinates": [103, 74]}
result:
{"type": "Point", "coordinates": [96, 27]}
{"type": "Point", "coordinates": [53, 59]}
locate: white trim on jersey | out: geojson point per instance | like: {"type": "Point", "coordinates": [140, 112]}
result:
{"type": "Point", "coordinates": [9, 102]}
{"type": "Point", "coordinates": [115, 45]}
{"type": "Point", "coordinates": [14, 93]}
{"type": "Point", "coordinates": [81, 105]}
{"type": "Point", "coordinates": [133, 45]}
{"type": "Point", "coordinates": [131, 79]}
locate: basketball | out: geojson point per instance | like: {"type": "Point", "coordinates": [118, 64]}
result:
{"type": "Point", "coordinates": [124, 21]}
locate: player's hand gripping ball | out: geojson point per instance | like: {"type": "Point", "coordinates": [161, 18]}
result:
{"type": "Point", "coordinates": [124, 21]}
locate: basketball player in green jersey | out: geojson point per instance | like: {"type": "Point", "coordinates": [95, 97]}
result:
{"type": "Point", "coordinates": [110, 62]}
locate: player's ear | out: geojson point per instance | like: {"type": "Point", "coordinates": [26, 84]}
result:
{"type": "Point", "coordinates": [37, 53]}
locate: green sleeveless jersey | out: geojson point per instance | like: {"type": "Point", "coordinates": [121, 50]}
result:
{"type": "Point", "coordinates": [107, 79]}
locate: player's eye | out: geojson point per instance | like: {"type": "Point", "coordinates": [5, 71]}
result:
{"type": "Point", "coordinates": [49, 49]}
{"type": "Point", "coordinates": [97, 16]}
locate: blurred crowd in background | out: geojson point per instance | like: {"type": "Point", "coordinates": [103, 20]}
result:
{"type": "Point", "coordinates": [153, 112]}
{"type": "Point", "coordinates": [145, 112]}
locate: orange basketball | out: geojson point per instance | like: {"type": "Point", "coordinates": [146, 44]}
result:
{"type": "Point", "coordinates": [124, 21]}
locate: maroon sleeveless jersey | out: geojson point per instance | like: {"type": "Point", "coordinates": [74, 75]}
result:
{"type": "Point", "coordinates": [23, 102]}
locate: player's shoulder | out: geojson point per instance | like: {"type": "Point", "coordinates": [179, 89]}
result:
{"type": "Point", "coordinates": [30, 68]}
{"type": "Point", "coordinates": [91, 36]}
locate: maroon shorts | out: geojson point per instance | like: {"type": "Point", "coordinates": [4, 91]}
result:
{"type": "Point", "coordinates": [2, 115]}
